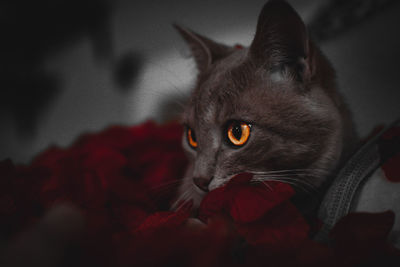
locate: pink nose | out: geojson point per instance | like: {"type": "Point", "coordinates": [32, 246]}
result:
{"type": "Point", "coordinates": [202, 183]}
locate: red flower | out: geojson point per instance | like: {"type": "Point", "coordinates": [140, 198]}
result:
{"type": "Point", "coordinates": [162, 221]}
{"type": "Point", "coordinates": [262, 214]}
{"type": "Point", "coordinates": [123, 180]}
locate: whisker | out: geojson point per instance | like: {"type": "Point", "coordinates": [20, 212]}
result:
{"type": "Point", "coordinates": [181, 200]}
{"type": "Point", "coordinates": [167, 183]}
{"type": "Point", "coordinates": [291, 173]}
{"type": "Point", "coordinates": [165, 188]}
{"type": "Point", "coordinates": [273, 180]}
{"type": "Point", "coordinates": [300, 171]}
{"type": "Point", "coordinates": [301, 184]}
{"type": "Point", "coordinates": [267, 185]}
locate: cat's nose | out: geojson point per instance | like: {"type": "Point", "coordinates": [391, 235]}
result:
{"type": "Point", "coordinates": [202, 183]}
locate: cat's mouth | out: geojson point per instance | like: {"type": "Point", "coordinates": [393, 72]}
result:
{"type": "Point", "coordinates": [293, 177]}
{"type": "Point", "coordinates": [219, 182]}
{"type": "Point", "coordinates": [203, 186]}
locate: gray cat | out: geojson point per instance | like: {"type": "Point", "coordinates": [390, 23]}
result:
{"type": "Point", "coordinates": [271, 109]}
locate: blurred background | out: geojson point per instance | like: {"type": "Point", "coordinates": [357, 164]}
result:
{"type": "Point", "coordinates": [77, 66]}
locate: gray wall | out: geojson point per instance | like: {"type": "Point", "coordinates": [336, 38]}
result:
{"type": "Point", "coordinates": [366, 58]}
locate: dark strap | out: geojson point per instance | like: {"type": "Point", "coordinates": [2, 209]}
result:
{"type": "Point", "coordinates": [339, 197]}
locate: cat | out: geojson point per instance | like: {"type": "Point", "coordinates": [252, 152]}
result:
{"type": "Point", "coordinates": [271, 109]}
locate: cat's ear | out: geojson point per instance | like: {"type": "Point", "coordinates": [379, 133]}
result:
{"type": "Point", "coordinates": [281, 40]}
{"type": "Point", "coordinates": [204, 50]}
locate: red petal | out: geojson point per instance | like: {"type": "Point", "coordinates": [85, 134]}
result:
{"type": "Point", "coordinates": [251, 203]}
{"type": "Point", "coordinates": [162, 220]}
{"type": "Point", "coordinates": [239, 180]}
{"type": "Point", "coordinates": [391, 168]}
{"type": "Point", "coordinates": [213, 203]}
{"type": "Point", "coordinates": [219, 200]}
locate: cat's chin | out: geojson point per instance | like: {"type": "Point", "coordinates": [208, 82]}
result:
{"type": "Point", "coordinates": [197, 197]}
{"type": "Point", "coordinates": [189, 192]}
{"type": "Point", "coordinates": [215, 183]}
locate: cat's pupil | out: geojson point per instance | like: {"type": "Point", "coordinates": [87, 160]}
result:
{"type": "Point", "coordinates": [237, 131]}
{"type": "Point", "coordinates": [193, 135]}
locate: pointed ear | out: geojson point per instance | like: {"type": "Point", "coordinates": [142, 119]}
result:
{"type": "Point", "coordinates": [204, 50]}
{"type": "Point", "coordinates": [281, 40]}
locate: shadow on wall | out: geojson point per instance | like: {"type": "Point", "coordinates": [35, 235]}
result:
{"type": "Point", "coordinates": [338, 16]}
{"type": "Point", "coordinates": [361, 38]}
{"type": "Point", "coordinates": [33, 31]}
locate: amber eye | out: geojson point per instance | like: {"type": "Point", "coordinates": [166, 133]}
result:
{"type": "Point", "coordinates": [238, 133]}
{"type": "Point", "coordinates": [191, 137]}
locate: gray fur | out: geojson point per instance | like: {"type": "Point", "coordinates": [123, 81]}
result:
{"type": "Point", "coordinates": [284, 87]}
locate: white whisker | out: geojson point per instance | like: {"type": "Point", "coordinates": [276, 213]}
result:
{"type": "Point", "coordinates": [301, 184]}
{"type": "Point", "coordinates": [292, 171]}
{"type": "Point", "coordinates": [181, 200]}
{"type": "Point", "coordinates": [267, 185]}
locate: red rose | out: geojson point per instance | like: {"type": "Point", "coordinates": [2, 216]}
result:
{"type": "Point", "coordinates": [263, 213]}
{"type": "Point", "coordinates": [123, 180]}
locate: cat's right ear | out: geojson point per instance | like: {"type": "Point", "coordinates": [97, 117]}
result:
{"type": "Point", "coordinates": [204, 50]}
{"type": "Point", "coordinates": [281, 40]}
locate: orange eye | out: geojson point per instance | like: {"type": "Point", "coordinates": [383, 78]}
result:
{"type": "Point", "coordinates": [191, 136]}
{"type": "Point", "coordinates": [238, 133]}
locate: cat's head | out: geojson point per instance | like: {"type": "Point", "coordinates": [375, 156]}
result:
{"type": "Point", "coordinates": [270, 109]}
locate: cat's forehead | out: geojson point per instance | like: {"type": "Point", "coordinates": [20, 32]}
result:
{"type": "Point", "coordinates": [233, 89]}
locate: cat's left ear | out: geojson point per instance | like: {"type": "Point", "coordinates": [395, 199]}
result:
{"type": "Point", "coordinates": [204, 50]}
